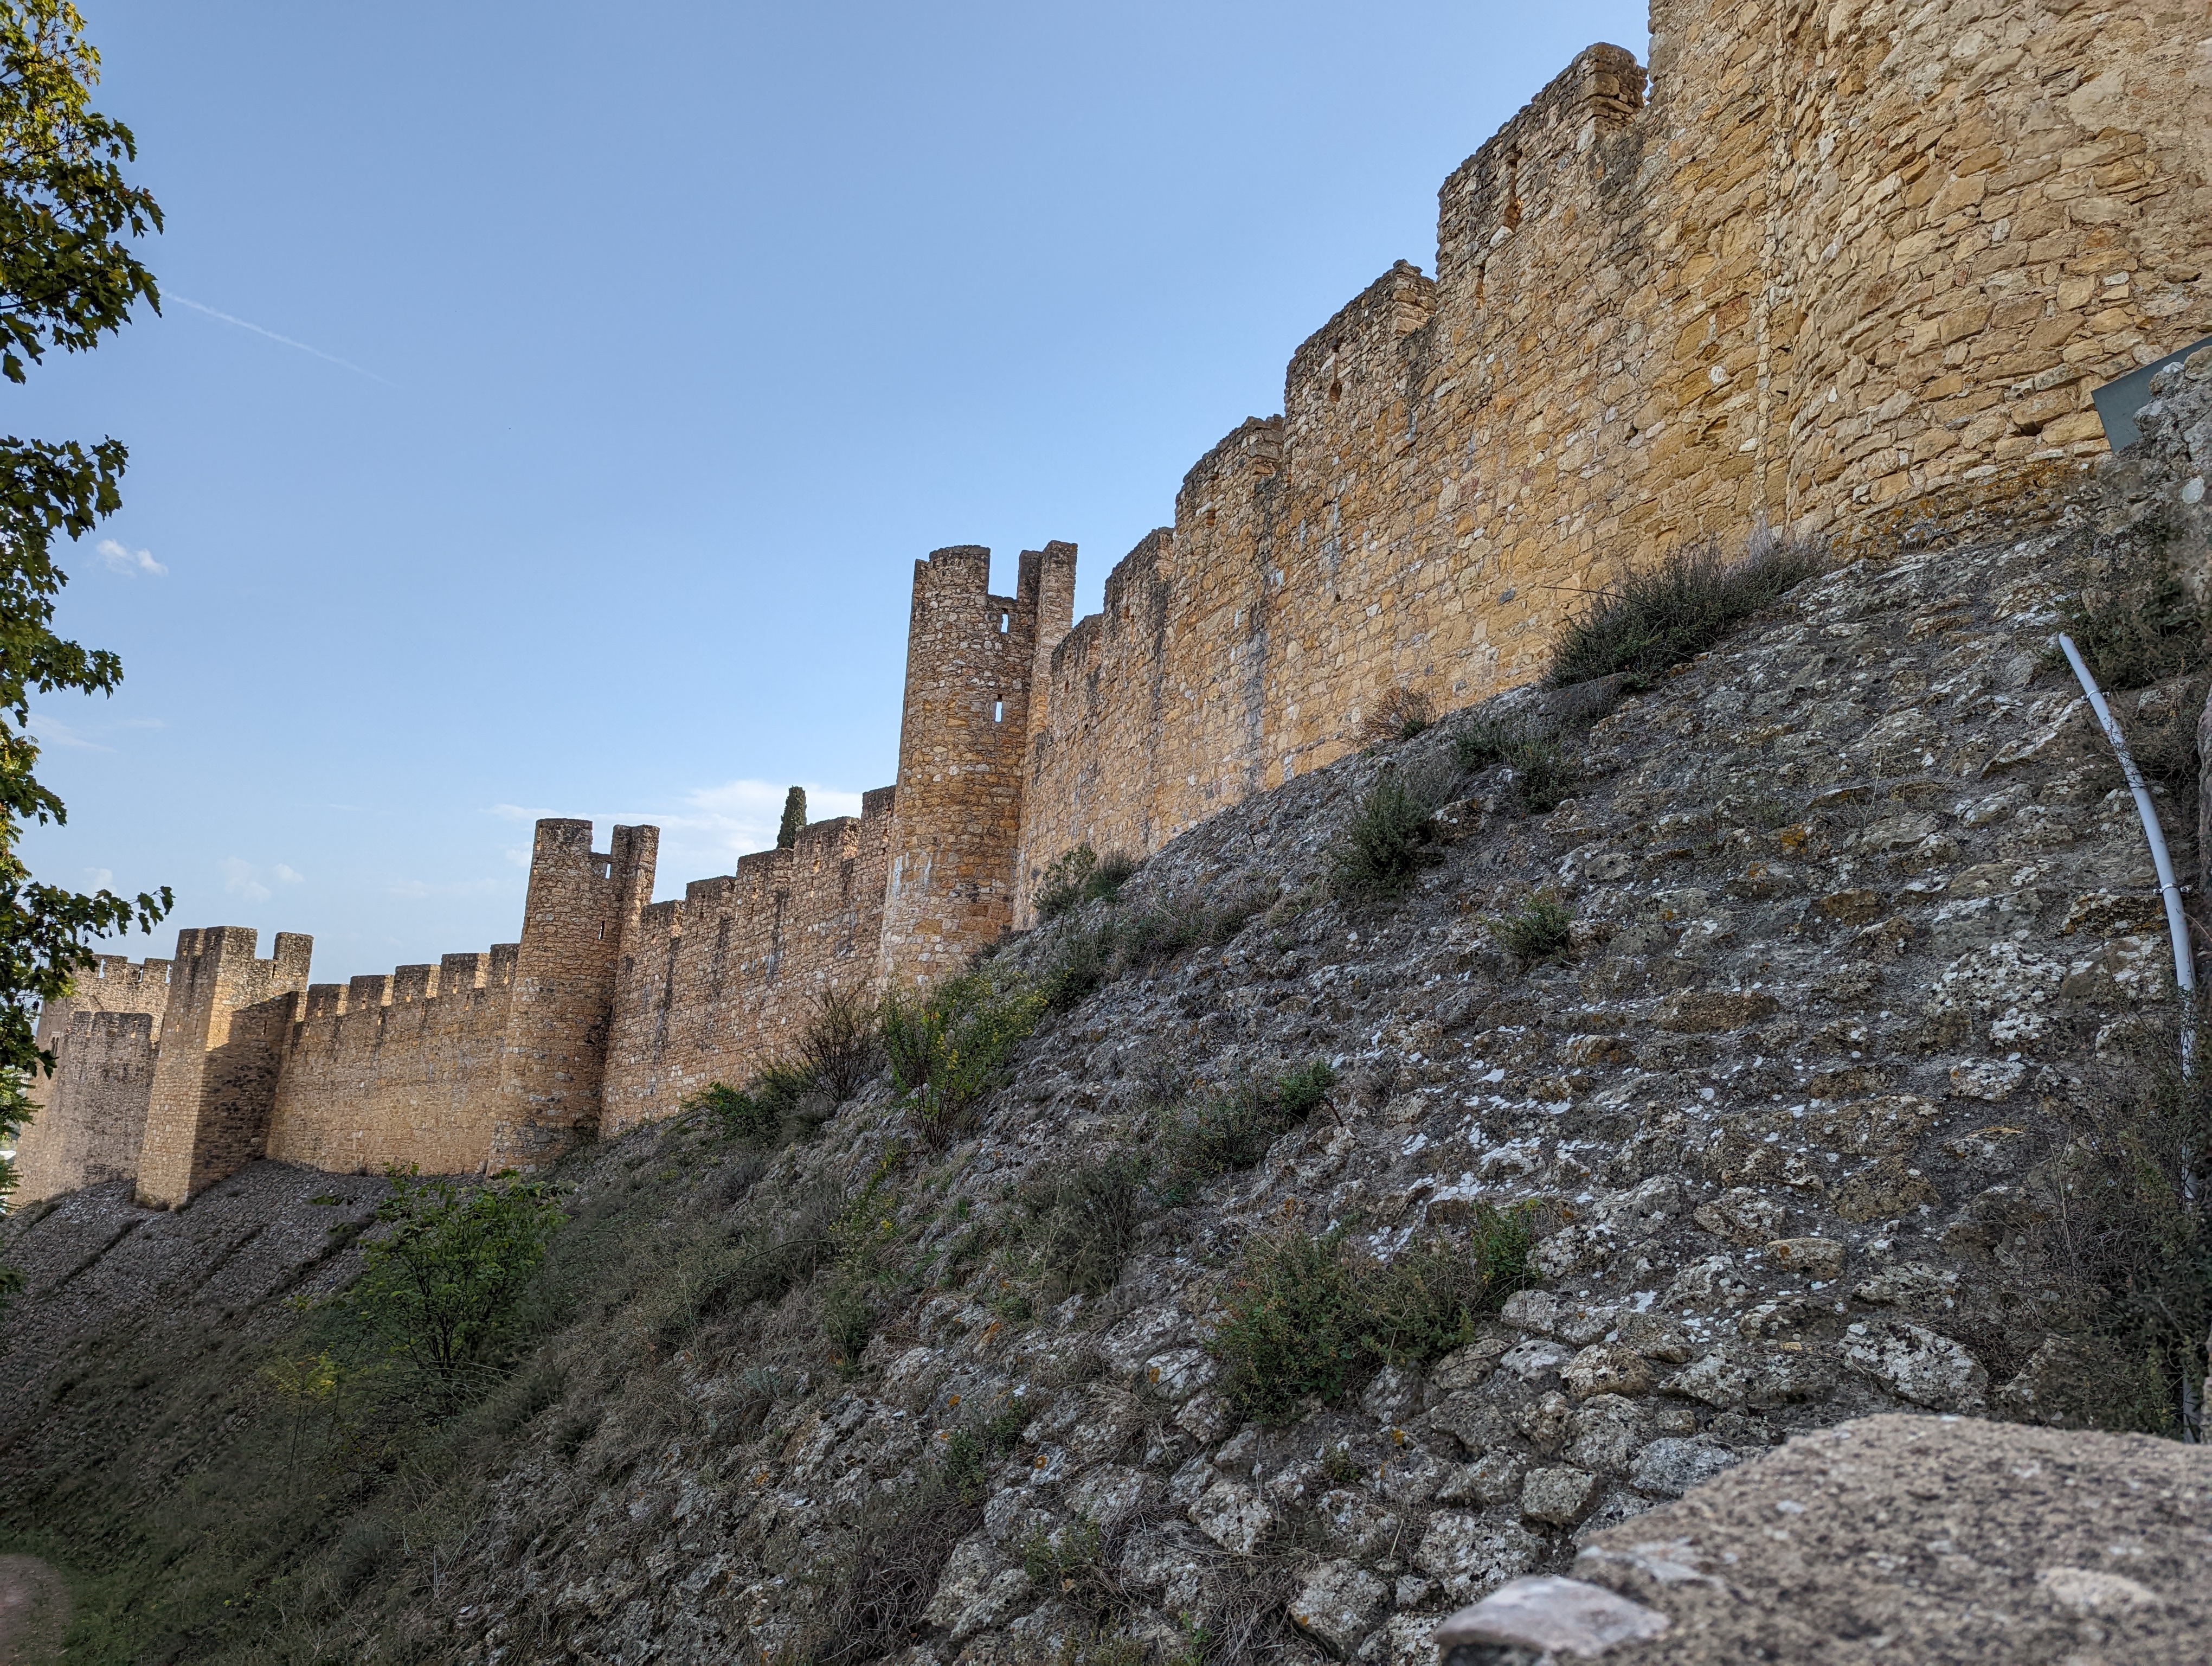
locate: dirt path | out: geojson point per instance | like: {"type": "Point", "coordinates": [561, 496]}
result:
{"type": "Point", "coordinates": [34, 1609]}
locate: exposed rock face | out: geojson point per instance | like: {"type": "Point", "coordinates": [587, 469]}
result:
{"type": "Point", "coordinates": [1860, 911]}
{"type": "Point", "coordinates": [1891, 1538]}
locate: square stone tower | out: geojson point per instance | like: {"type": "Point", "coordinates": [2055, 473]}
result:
{"type": "Point", "coordinates": [227, 1021]}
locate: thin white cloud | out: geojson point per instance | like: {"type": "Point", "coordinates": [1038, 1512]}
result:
{"type": "Point", "coordinates": [238, 880]}
{"type": "Point", "coordinates": [50, 731]}
{"type": "Point", "coordinates": [243, 879]}
{"type": "Point", "coordinates": [101, 878]}
{"type": "Point", "coordinates": [331, 358]}
{"type": "Point", "coordinates": [134, 562]}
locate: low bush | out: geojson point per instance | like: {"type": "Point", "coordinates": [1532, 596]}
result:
{"type": "Point", "coordinates": [1400, 716]}
{"type": "Point", "coordinates": [1389, 837]}
{"type": "Point", "coordinates": [1090, 953]}
{"type": "Point", "coordinates": [950, 1046]}
{"type": "Point", "coordinates": [963, 1465]}
{"type": "Point", "coordinates": [1291, 1327]}
{"type": "Point", "coordinates": [1079, 1225]}
{"type": "Point", "coordinates": [1306, 1318]}
{"type": "Point", "coordinates": [1198, 1141]}
{"type": "Point", "coordinates": [839, 1049]}
{"type": "Point", "coordinates": [879, 1578]}
{"type": "Point", "coordinates": [1661, 618]}
{"type": "Point", "coordinates": [1082, 962]}
{"type": "Point", "coordinates": [2121, 1236]}
{"type": "Point", "coordinates": [1543, 772]}
{"type": "Point", "coordinates": [1080, 876]}
{"type": "Point", "coordinates": [1539, 930]}
{"type": "Point", "coordinates": [2133, 617]}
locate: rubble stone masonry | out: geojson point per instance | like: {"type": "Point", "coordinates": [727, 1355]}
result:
{"type": "Point", "coordinates": [1851, 266]}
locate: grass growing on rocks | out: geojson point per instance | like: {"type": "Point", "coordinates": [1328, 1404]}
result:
{"type": "Point", "coordinates": [1309, 1318]}
{"type": "Point", "coordinates": [1655, 620]}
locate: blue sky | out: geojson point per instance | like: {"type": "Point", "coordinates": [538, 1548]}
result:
{"type": "Point", "coordinates": [549, 401]}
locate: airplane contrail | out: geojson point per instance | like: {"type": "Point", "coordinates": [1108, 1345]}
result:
{"type": "Point", "coordinates": [242, 323]}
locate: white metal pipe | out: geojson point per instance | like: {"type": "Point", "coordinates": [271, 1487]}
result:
{"type": "Point", "coordinates": [2176, 924]}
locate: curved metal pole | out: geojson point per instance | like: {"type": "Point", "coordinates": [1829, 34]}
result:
{"type": "Point", "coordinates": [2177, 923]}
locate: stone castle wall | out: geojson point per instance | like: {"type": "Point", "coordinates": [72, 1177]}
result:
{"type": "Point", "coordinates": [398, 1068]}
{"type": "Point", "coordinates": [104, 1065]}
{"type": "Point", "coordinates": [720, 983]}
{"type": "Point", "coordinates": [1845, 266]}
{"type": "Point", "coordinates": [1848, 262]}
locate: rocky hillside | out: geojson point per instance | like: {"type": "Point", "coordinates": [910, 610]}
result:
{"type": "Point", "coordinates": [1729, 1096]}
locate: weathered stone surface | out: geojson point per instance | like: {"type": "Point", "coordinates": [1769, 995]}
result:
{"type": "Point", "coordinates": [1816, 1258]}
{"type": "Point", "coordinates": [1671, 1466]}
{"type": "Point", "coordinates": [1915, 1363]}
{"type": "Point", "coordinates": [1473, 1554]}
{"type": "Point", "coordinates": [1551, 1616]}
{"type": "Point", "coordinates": [1957, 1539]}
{"type": "Point", "coordinates": [1561, 1496]}
{"type": "Point", "coordinates": [1339, 1602]}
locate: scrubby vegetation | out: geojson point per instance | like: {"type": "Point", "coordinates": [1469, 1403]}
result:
{"type": "Point", "coordinates": [1309, 1318]}
{"type": "Point", "coordinates": [1090, 953]}
{"type": "Point", "coordinates": [1401, 714]}
{"type": "Point", "coordinates": [451, 1261]}
{"type": "Point", "coordinates": [1209, 1136]}
{"type": "Point", "coordinates": [1543, 772]}
{"type": "Point", "coordinates": [1389, 837]}
{"type": "Point", "coordinates": [838, 1051]}
{"type": "Point", "coordinates": [1663, 618]}
{"type": "Point", "coordinates": [1080, 876]}
{"type": "Point", "coordinates": [1539, 930]}
{"type": "Point", "coordinates": [950, 1046]}
{"type": "Point", "coordinates": [2121, 1240]}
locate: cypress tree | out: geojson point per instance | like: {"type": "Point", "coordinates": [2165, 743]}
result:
{"type": "Point", "coordinates": [794, 818]}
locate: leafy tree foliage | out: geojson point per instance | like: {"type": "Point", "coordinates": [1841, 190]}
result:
{"type": "Point", "coordinates": [67, 277]}
{"type": "Point", "coordinates": [794, 818]}
{"type": "Point", "coordinates": [455, 1258]}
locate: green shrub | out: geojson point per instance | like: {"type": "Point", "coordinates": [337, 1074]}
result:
{"type": "Point", "coordinates": [1389, 837]}
{"type": "Point", "coordinates": [1079, 1224]}
{"type": "Point", "coordinates": [950, 1046]}
{"type": "Point", "coordinates": [1300, 1093]}
{"type": "Point", "coordinates": [1306, 1318]}
{"type": "Point", "coordinates": [738, 1115]}
{"type": "Point", "coordinates": [1539, 930]}
{"type": "Point", "coordinates": [1225, 1131]}
{"type": "Point", "coordinates": [1080, 876]}
{"type": "Point", "coordinates": [1544, 773]}
{"type": "Point", "coordinates": [452, 1260]}
{"type": "Point", "coordinates": [1424, 1304]}
{"type": "Point", "coordinates": [1067, 879]}
{"type": "Point", "coordinates": [1082, 961]}
{"type": "Point", "coordinates": [1291, 1327]}
{"type": "Point", "coordinates": [1661, 618]}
